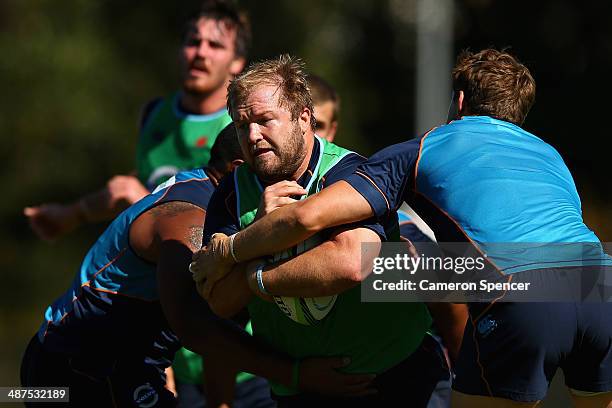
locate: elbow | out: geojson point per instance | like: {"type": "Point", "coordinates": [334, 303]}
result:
{"type": "Point", "coordinates": [307, 218]}
{"type": "Point", "coordinates": [353, 270]}
{"type": "Point", "coordinates": [221, 309]}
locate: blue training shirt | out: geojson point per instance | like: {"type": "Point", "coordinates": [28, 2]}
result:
{"type": "Point", "coordinates": [113, 302]}
{"type": "Point", "coordinates": [484, 181]}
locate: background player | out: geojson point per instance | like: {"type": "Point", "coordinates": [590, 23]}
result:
{"type": "Point", "coordinates": [326, 107]}
{"type": "Point", "coordinates": [176, 132]}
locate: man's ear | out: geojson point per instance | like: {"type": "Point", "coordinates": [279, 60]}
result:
{"type": "Point", "coordinates": [304, 119]}
{"type": "Point", "coordinates": [235, 163]}
{"type": "Point", "coordinates": [237, 65]}
{"type": "Point", "coordinates": [460, 102]}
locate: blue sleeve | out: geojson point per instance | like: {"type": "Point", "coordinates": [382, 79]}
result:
{"type": "Point", "coordinates": [221, 214]}
{"type": "Point", "coordinates": [386, 176]}
{"type": "Point", "coordinates": [195, 188]}
{"type": "Point", "coordinates": [344, 168]}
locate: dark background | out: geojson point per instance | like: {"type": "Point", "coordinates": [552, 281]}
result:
{"type": "Point", "coordinates": [75, 73]}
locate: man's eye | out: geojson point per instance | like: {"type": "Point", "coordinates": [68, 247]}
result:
{"type": "Point", "coordinates": [192, 42]}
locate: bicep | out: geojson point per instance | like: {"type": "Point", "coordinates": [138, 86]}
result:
{"type": "Point", "coordinates": [384, 179]}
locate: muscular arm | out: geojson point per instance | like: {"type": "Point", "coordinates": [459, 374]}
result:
{"type": "Point", "coordinates": [189, 315]}
{"type": "Point", "coordinates": [449, 319]}
{"type": "Point", "coordinates": [50, 221]}
{"type": "Point", "coordinates": [328, 269]}
{"type": "Point", "coordinates": [335, 205]}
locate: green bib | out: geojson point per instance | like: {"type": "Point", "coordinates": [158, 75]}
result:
{"type": "Point", "coordinates": [171, 141]}
{"type": "Point", "coordinates": [376, 336]}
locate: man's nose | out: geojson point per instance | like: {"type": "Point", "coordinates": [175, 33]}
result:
{"type": "Point", "coordinates": [254, 133]}
{"type": "Point", "coordinates": [203, 49]}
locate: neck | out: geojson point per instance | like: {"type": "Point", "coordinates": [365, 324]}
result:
{"type": "Point", "coordinates": [214, 175]}
{"type": "Point", "coordinates": [205, 103]}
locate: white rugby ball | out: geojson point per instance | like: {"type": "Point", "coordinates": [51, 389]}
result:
{"type": "Point", "coordinates": [306, 311]}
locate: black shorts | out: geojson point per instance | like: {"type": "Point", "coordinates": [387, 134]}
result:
{"type": "Point", "coordinates": [512, 350]}
{"type": "Point", "coordinates": [130, 382]}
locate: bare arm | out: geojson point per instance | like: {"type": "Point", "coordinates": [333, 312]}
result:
{"type": "Point", "coordinates": [283, 228]}
{"type": "Point", "coordinates": [335, 205]}
{"type": "Point", "coordinates": [187, 314]}
{"type": "Point", "coordinates": [328, 269]}
{"type": "Point", "coordinates": [52, 220]}
{"type": "Point", "coordinates": [199, 330]}
{"type": "Point", "coordinates": [450, 319]}
{"type": "Point", "coordinates": [231, 294]}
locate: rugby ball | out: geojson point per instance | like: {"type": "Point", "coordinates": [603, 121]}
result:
{"type": "Point", "coordinates": [306, 311]}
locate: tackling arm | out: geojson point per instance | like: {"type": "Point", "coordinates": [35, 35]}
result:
{"type": "Point", "coordinates": [335, 205]}
{"type": "Point", "coordinates": [328, 269]}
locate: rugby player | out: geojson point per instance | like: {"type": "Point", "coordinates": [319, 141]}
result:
{"type": "Point", "coordinates": [479, 179]}
{"type": "Point", "coordinates": [326, 103]}
{"type": "Point", "coordinates": [176, 132]}
{"type": "Point", "coordinates": [272, 108]}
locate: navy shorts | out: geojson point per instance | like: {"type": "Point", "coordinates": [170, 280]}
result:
{"type": "Point", "coordinates": [252, 393]}
{"type": "Point", "coordinates": [512, 350]}
{"type": "Point", "coordinates": [130, 383]}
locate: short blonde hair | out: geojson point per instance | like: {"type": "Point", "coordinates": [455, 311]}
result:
{"type": "Point", "coordinates": [285, 72]}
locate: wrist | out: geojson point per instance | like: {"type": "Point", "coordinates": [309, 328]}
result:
{"type": "Point", "coordinates": [255, 272]}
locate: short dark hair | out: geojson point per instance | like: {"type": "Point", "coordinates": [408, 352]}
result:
{"type": "Point", "coordinates": [322, 92]}
{"type": "Point", "coordinates": [495, 84]}
{"type": "Point", "coordinates": [226, 148]}
{"type": "Point", "coordinates": [228, 12]}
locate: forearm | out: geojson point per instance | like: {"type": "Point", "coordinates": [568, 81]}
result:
{"type": "Point", "coordinates": [285, 227]}
{"type": "Point", "coordinates": [322, 271]}
{"type": "Point", "coordinates": [449, 320]}
{"type": "Point", "coordinates": [97, 206]}
{"type": "Point", "coordinates": [240, 351]}
{"type": "Point", "coordinates": [201, 331]}
{"type": "Point", "coordinates": [219, 382]}
{"type": "Point", "coordinates": [231, 294]}
{"type": "Point", "coordinates": [332, 267]}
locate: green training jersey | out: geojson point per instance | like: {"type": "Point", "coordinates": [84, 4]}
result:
{"type": "Point", "coordinates": [376, 336]}
{"type": "Point", "coordinates": [172, 140]}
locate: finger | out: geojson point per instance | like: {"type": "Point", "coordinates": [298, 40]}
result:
{"type": "Point", "coordinates": [207, 289]}
{"type": "Point", "coordinates": [197, 254]}
{"type": "Point", "coordinates": [282, 201]}
{"type": "Point", "coordinates": [291, 190]}
{"type": "Point", "coordinates": [193, 269]}
{"type": "Point", "coordinates": [30, 211]}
